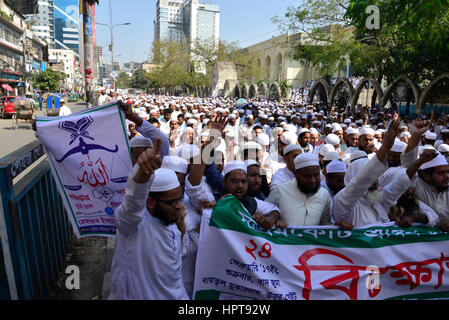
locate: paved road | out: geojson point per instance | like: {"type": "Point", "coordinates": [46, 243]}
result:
{"type": "Point", "coordinates": [11, 140]}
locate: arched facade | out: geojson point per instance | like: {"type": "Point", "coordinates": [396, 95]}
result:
{"type": "Point", "coordinates": [274, 92]}
{"type": "Point", "coordinates": [245, 90]}
{"type": "Point", "coordinates": [358, 90]}
{"type": "Point", "coordinates": [389, 90]}
{"type": "Point", "coordinates": [342, 82]}
{"type": "Point", "coordinates": [324, 93]}
{"type": "Point", "coordinates": [267, 68]}
{"type": "Point", "coordinates": [277, 73]}
{"type": "Point", "coordinates": [262, 89]}
{"type": "Point", "coordinates": [237, 92]}
{"type": "Point", "coordinates": [425, 94]}
{"type": "Point", "coordinates": [252, 93]}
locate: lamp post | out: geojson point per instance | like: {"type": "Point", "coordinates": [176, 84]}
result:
{"type": "Point", "coordinates": [111, 47]}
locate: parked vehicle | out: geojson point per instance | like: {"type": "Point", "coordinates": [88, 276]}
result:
{"type": "Point", "coordinates": [7, 107]}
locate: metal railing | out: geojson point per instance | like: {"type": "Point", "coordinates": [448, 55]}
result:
{"type": "Point", "coordinates": [34, 227]}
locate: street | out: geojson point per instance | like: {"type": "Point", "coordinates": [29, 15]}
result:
{"type": "Point", "coordinates": [12, 139]}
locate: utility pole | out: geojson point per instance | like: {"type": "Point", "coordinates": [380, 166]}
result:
{"type": "Point", "coordinates": [88, 11]}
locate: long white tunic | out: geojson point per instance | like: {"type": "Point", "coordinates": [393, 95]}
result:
{"type": "Point", "coordinates": [298, 209]}
{"type": "Point", "coordinates": [147, 254]}
{"type": "Point", "coordinates": [438, 201]}
{"type": "Point", "coordinates": [350, 205]}
{"type": "Point", "coordinates": [272, 164]}
{"type": "Point", "coordinates": [281, 176]}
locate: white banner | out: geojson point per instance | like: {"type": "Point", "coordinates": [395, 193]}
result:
{"type": "Point", "coordinates": [90, 161]}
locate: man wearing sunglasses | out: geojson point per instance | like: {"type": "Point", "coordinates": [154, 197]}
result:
{"type": "Point", "coordinates": [147, 262]}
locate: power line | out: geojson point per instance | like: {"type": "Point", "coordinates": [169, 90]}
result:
{"type": "Point", "coordinates": [259, 36]}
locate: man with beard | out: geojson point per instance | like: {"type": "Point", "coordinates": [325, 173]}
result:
{"type": "Point", "coordinates": [432, 183]}
{"type": "Point", "coordinates": [147, 258]}
{"type": "Point", "coordinates": [303, 139]}
{"type": "Point", "coordinates": [254, 179]}
{"type": "Point", "coordinates": [360, 202]}
{"type": "Point", "coordinates": [366, 141]}
{"type": "Point", "coordinates": [302, 200]}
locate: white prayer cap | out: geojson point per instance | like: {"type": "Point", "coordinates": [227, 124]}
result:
{"type": "Point", "coordinates": [357, 154]}
{"type": "Point", "coordinates": [443, 148]}
{"type": "Point", "coordinates": [251, 145]}
{"type": "Point", "coordinates": [332, 139]}
{"type": "Point", "coordinates": [263, 139]}
{"type": "Point", "coordinates": [187, 151]}
{"type": "Point", "coordinates": [234, 165]}
{"type": "Point", "coordinates": [164, 180]}
{"type": "Point", "coordinates": [405, 134]}
{"type": "Point", "coordinates": [352, 130]}
{"type": "Point", "coordinates": [430, 135]}
{"type": "Point", "coordinates": [232, 116]}
{"type": "Point", "coordinates": [290, 148]}
{"type": "Point", "coordinates": [398, 146]}
{"type": "Point", "coordinates": [176, 164]}
{"type": "Point", "coordinates": [263, 116]}
{"type": "Point", "coordinates": [271, 118]}
{"type": "Point", "coordinates": [326, 148]}
{"type": "Point", "coordinates": [439, 160]}
{"type": "Point", "coordinates": [289, 137]}
{"type": "Point", "coordinates": [378, 132]}
{"type": "Point", "coordinates": [191, 121]}
{"type": "Point", "coordinates": [336, 166]}
{"type": "Point", "coordinates": [347, 121]}
{"type": "Point", "coordinates": [313, 131]}
{"type": "Point", "coordinates": [306, 160]}
{"type": "Point", "coordinates": [354, 168]}
{"type": "Point", "coordinates": [332, 155]}
{"type": "Point", "coordinates": [251, 162]}
{"type": "Point", "coordinates": [337, 128]}
{"type": "Point", "coordinates": [140, 142]}
{"type": "Point", "coordinates": [366, 130]}
{"type": "Point", "coordinates": [303, 130]}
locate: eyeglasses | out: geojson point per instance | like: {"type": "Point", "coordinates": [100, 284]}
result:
{"type": "Point", "coordinates": [172, 203]}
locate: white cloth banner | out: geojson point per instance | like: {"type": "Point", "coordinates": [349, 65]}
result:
{"type": "Point", "coordinates": [380, 262]}
{"type": "Point", "coordinates": [90, 161]}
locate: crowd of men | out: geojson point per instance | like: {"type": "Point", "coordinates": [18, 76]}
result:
{"type": "Point", "coordinates": [288, 163]}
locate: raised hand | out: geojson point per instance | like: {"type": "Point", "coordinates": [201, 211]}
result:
{"type": "Point", "coordinates": [180, 222]}
{"type": "Point", "coordinates": [149, 161]}
{"type": "Point", "coordinates": [206, 205]}
{"type": "Point", "coordinates": [388, 141]}
{"type": "Point", "coordinates": [427, 155]}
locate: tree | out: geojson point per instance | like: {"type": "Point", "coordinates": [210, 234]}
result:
{"type": "Point", "coordinates": [140, 80]}
{"type": "Point", "coordinates": [123, 80]}
{"type": "Point", "coordinates": [47, 81]}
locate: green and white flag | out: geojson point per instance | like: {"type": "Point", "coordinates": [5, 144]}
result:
{"type": "Point", "coordinates": [90, 161]}
{"type": "Point", "coordinates": [237, 259]}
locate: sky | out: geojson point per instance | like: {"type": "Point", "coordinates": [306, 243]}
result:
{"type": "Point", "coordinates": [245, 21]}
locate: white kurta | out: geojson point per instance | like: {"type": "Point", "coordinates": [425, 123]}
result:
{"type": "Point", "coordinates": [272, 164]}
{"type": "Point", "coordinates": [147, 254]}
{"type": "Point", "coordinates": [298, 209]}
{"type": "Point", "coordinates": [351, 206]}
{"type": "Point", "coordinates": [281, 176]}
{"type": "Point", "coordinates": [438, 201]}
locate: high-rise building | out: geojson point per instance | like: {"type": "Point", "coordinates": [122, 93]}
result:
{"type": "Point", "coordinates": [187, 21]}
{"type": "Point", "coordinates": [57, 23]}
{"type": "Point", "coordinates": [24, 6]}
{"type": "Point", "coordinates": [168, 25]}
{"type": "Point", "coordinates": [201, 22]}
{"type": "Point", "coordinates": [43, 23]}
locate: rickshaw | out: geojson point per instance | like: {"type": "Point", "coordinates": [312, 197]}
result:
{"type": "Point", "coordinates": [24, 110]}
{"type": "Point", "coordinates": [73, 97]}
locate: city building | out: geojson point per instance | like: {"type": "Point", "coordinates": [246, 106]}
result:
{"type": "Point", "coordinates": [12, 62]}
{"type": "Point", "coordinates": [132, 66]}
{"type": "Point", "coordinates": [67, 26]}
{"type": "Point", "coordinates": [24, 6]}
{"type": "Point", "coordinates": [168, 25]}
{"type": "Point", "coordinates": [274, 63]}
{"type": "Point", "coordinates": [64, 61]}
{"type": "Point", "coordinates": [43, 22]}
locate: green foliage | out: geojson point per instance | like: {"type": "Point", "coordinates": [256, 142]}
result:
{"type": "Point", "coordinates": [123, 81]}
{"type": "Point", "coordinates": [284, 85]}
{"type": "Point", "coordinates": [413, 38]}
{"type": "Point", "coordinates": [140, 80]}
{"type": "Point", "coordinates": [47, 81]}
{"type": "Point", "coordinates": [5, 15]}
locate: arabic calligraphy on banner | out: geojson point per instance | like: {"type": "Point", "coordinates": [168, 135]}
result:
{"type": "Point", "coordinates": [90, 163]}
{"type": "Point", "coordinates": [382, 262]}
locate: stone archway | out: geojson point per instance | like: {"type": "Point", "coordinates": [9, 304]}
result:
{"type": "Point", "coordinates": [252, 93]}
{"type": "Point", "coordinates": [245, 90]}
{"type": "Point", "coordinates": [278, 67]}
{"type": "Point", "coordinates": [237, 92]}
{"type": "Point", "coordinates": [262, 90]}
{"type": "Point", "coordinates": [274, 92]}
{"type": "Point", "coordinates": [342, 82]}
{"type": "Point", "coordinates": [426, 92]}
{"type": "Point", "coordinates": [325, 90]}
{"type": "Point", "coordinates": [358, 90]}
{"type": "Point", "coordinates": [390, 89]}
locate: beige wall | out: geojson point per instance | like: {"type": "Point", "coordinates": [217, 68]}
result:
{"type": "Point", "coordinates": [275, 63]}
